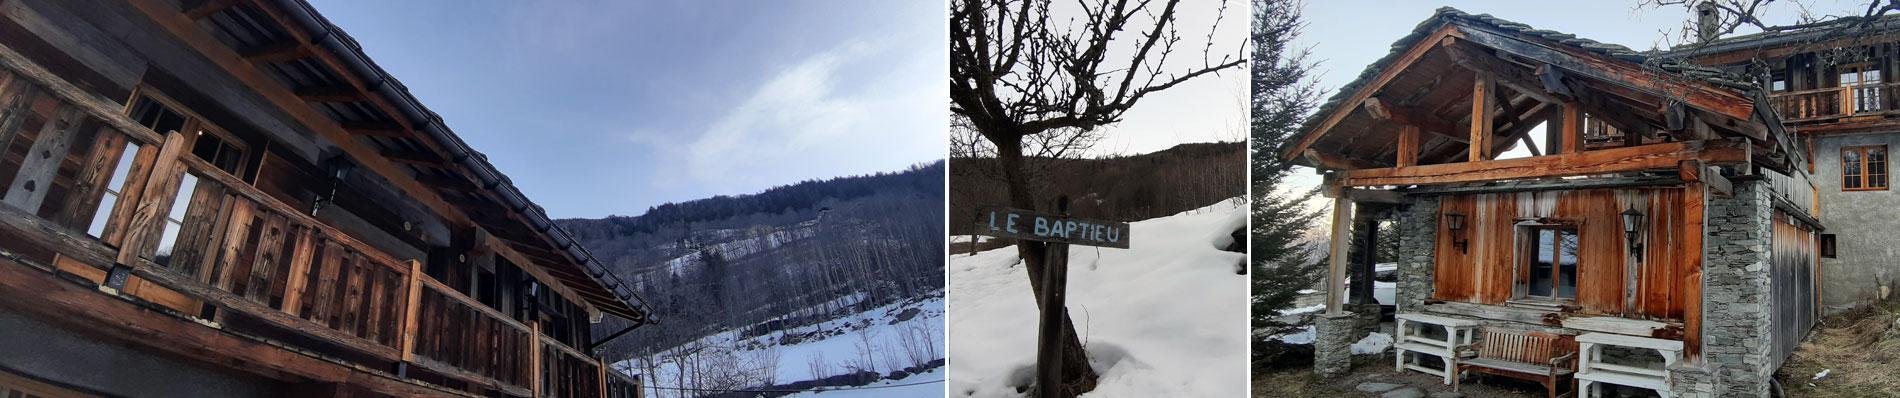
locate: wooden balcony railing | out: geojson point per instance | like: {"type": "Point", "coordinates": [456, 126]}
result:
{"type": "Point", "coordinates": [1834, 102]}
{"type": "Point", "coordinates": [242, 256]}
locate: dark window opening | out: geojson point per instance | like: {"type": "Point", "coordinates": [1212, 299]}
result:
{"type": "Point", "coordinates": [156, 116]}
{"type": "Point", "coordinates": [219, 152]}
{"type": "Point", "coordinates": [1552, 263]}
{"type": "Point", "coordinates": [1827, 246]}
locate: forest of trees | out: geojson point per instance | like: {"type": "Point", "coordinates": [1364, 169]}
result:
{"type": "Point", "coordinates": [1129, 188]}
{"type": "Point", "coordinates": [791, 255]}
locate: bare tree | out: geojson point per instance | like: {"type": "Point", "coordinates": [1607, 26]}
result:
{"type": "Point", "coordinates": [1018, 73]}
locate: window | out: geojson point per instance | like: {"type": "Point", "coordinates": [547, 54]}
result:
{"type": "Point", "coordinates": [157, 116]}
{"type": "Point", "coordinates": [175, 220]}
{"type": "Point", "coordinates": [115, 188]}
{"type": "Point", "coordinates": [1827, 245]}
{"type": "Point", "coordinates": [1864, 168]}
{"type": "Point", "coordinates": [1863, 82]}
{"type": "Point", "coordinates": [1552, 263]}
{"type": "Point", "coordinates": [218, 150]}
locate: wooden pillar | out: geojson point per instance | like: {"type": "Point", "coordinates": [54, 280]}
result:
{"type": "Point", "coordinates": [412, 311]}
{"type": "Point", "coordinates": [534, 357]}
{"type": "Point", "coordinates": [1482, 100]}
{"type": "Point", "coordinates": [43, 158]}
{"type": "Point", "coordinates": [1364, 254]}
{"type": "Point", "coordinates": [602, 367]}
{"type": "Point", "coordinates": [1408, 146]}
{"type": "Point", "coordinates": [1337, 260]}
{"type": "Point", "coordinates": [155, 199]}
{"type": "Point", "coordinates": [1572, 129]}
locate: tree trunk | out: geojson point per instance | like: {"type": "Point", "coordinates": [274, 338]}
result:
{"type": "Point", "coordinates": [1080, 376]}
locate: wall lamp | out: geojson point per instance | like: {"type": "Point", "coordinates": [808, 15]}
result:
{"type": "Point", "coordinates": [1633, 229]}
{"type": "Point", "coordinates": [1455, 223]}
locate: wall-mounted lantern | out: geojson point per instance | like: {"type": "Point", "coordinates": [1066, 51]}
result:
{"type": "Point", "coordinates": [1633, 229]}
{"type": "Point", "coordinates": [1455, 223]}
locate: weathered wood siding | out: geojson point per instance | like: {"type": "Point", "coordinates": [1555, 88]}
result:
{"type": "Point", "coordinates": [1667, 282]}
{"type": "Point", "coordinates": [1794, 306]}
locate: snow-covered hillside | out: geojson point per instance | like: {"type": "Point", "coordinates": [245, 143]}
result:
{"type": "Point", "coordinates": [882, 340]}
{"type": "Point", "coordinates": [1165, 318]}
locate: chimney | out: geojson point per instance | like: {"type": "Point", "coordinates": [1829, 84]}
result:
{"type": "Point", "coordinates": [1706, 22]}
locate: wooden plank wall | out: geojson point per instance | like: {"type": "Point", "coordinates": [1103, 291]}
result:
{"type": "Point", "coordinates": [1792, 271]}
{"type": "Point", "coordinates": [1667, 281]}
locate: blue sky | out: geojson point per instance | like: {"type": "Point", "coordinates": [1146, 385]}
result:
{"type": "Point", "coordinates": [600, 107]}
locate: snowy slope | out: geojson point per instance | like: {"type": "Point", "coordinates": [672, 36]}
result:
{"type": "Point", "coordinates": [1165, 318]}
{"type": "Point", "coordinates": [836, 350]}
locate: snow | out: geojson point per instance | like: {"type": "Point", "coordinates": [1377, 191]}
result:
{"type": "Point", "coordinates": [1303, 310]}
{"type": "Point", "coordinates": [1374, 343]}
{"type": "Point", "coordinates": [927, 384]}
{"type": "Point", "coordinates": [794, 360]}
{"type": "Point", "coordinates": [1166, 317]}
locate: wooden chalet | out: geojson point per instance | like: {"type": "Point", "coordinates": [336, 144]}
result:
{"type": "Point", "coordinates": [228, 198]}
{"type": "Point", "coordinates": [1666, 203]}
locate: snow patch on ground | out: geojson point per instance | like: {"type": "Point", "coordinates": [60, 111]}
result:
{"type": "Point", "coordinates": [794, 360]}
{"type": "Point", "coordinates": [1374, 343]}
{"type": "Point", "coordinates": [1165, 318]}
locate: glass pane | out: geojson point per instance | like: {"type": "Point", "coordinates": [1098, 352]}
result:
{"type": "Point", "coordinates": [182, 202]}
{"type": "Point", "coordinates": [1567, 265]}
{"type": "Point", "coordinates": [1540, 283]}
{"type": "Point", "coordinates": [167, 243]}
{"type": "Point", "coordinates": [99, 218]}
{"type": "Point", "coordinates": [126, 157]}
{"type": "Point", "coordinates": [1849, 78]}
{"type": "Point", "coordinates": [1780, 85]}
{"type": "Point", "coordinates": [1872, 76]}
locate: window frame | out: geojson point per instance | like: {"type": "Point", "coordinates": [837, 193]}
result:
{"type": "Point", "coordinates": [1527, 256]}
{"type": "Point", "coordinates": [1865, 172]}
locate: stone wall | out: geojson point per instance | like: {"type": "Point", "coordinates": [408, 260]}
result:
{"type": "Point", "coordinates": [1735, 311]}
{"type": "Point", "coordinates": [1418, 241]}
{"type": "Point", "coordinates": [1332, 343]}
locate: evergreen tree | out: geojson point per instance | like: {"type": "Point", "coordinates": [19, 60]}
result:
{"type": "Point", "coordinates": [1284, 93]}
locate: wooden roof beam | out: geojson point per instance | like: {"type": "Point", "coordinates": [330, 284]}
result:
{"type": "Point", "coordinates": [274, 52]}
{"type": "Point", "coordinates": [375, 129]}
{"type": "Point", "coordinates": [1613, 71]}
{"type": "Point", "coordinates": [414, 158]}
{"type": "Point", "coordinates": [1603, 161]}
{"type": "Point", "coordinates": [1336, 162]}
{"type": "Point", "coordinates": [1392, 71]}
{"type": "Point", "coordinates": [205, 8]}
{"type": "Point", "coordinates": [330, 94]}
{"type": "Point", "coordinates": [1503, 72]}
{"type": "Point", "coordinates": [1408, 116]}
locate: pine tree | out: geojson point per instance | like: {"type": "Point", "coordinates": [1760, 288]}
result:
{"type": "Point", "coordinates": [1284, 93]}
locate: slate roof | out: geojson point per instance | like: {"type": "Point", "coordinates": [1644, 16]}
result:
{"type": "Point", "coordinates": [1651, 59]}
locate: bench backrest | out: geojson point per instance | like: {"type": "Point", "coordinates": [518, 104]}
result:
{"type": "Point", "coordinates": [1525, 346]}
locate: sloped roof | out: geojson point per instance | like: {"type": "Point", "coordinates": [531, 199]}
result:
{"type": "Point", "coordinates": [1887, 23]}
{"type": "Point", "coordinates": [1653, 60]}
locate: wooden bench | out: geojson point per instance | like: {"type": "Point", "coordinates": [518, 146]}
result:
{"type": "Point", "coordinates": [1546, 358]}
{"type": "Point", "coordinates": [1409, 339]}
{"type": "Point", "coordinates": [1592, 370]}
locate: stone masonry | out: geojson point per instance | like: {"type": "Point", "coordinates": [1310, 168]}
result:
{"type": "Point", "coordinates": [1332, 343]}
{"type": "Point", "coordinates": [1735, 323]}
{"type": "Point", "coordinates": [1418, 241]}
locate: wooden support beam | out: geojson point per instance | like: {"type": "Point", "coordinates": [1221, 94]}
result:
{"type": "Point", "coordinates": [274, 52]}
{"type": "Point", "coordinates": [1503, 72]}
{"type": "Point", "coordinates": [1336, 264]}
{"type": "Point", "coordinates": [1407, 116]}
{"type": "Point", "coordinates": [1693, 171]}
{"type": "Point", "coordinates": [1481, 104]}
{"type": "Point", "coordinates": [1337, 162]}
{"type": "Point", "coordinates": [411, 310]}
{"type": "Point", "coordinates": [451, 182]}
{"type": "Point", "coordinates": [375, 129]}
{"type": "Point", "coordinates": [1380, 196]}
{"type": "Point", "coordinates": [1606, 161]}
{"type": "Point", "coordinates": [205, 8]}
{"type": "Point", "coordinates": [1603, 68]}
{"type": "Point", "coordinates": [1408, 146]}
{"type": "Point", "coordinates": [415, 158]}
{"type": "Point", "coordinates": [1391, 71]}
{"type": "Point", "coordinates": [1572, 129]}
{"type": "Point", "coordinates": [330, 94]}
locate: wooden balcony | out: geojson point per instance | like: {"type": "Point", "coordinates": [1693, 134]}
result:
{"type": "Point", "coordinates": [1836, 102]}
{"type": "Point", "coordinates": [244, 263]}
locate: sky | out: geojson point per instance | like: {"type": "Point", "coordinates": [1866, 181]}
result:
{"type": "Point", "coordinates": [597, 107]}
{"type": "Point", "coordinates": [1206, 109]}
{"type": "Point", "coordinates": [1348, 35]}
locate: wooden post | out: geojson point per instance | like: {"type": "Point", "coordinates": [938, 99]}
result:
{"type": "Point", "coordinates": [1408, 146]}
{"type": "Point", "coordinates": [43, 159]}
{"type": "Point", "coordinates": [155, 199]}
{"type": "Point", "coordinates": [1481, 103]}
{"type": "Point", "coordinates": [1337, 261]}
{"type": "Point", "coordinates": [412, 311]}
{"type": "Point", "coordinates": [602, 366]}
{"type": "Point", "coordinates": [1055, 280]}
{"type": "Point", "coordinates": [299, 272]}
{"type": "Point", "coordinates": [534, 357]}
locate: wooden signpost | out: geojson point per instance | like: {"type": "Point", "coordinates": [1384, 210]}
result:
{"type": "Point", "coordinates": [1059, 231]}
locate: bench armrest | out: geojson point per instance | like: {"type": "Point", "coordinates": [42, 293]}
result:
{"type": "Point", "coordinates": [1467, 350]}
{"type": "Point", "coordinates": [1560, 360]}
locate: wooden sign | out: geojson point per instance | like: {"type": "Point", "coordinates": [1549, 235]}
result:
{"type": "Point", "coordinates": [1006, 222]}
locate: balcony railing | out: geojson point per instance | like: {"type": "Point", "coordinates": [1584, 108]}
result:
{"type": "Point", "coordinates": [1835, 102]}
{"type": "Point", "coordinates": [239, 256]}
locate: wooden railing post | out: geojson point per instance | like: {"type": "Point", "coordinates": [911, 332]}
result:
{"type": "Point", "coordinates": [601, 365]}
{"type": "Point", "coordinates": [299, 273]}
{"type": "Point", "coordinates": [155, 199]}
{"type": "Point", "coordinates": [411, 312]}
{"type": "Point", "coordinates": [534, 357]}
